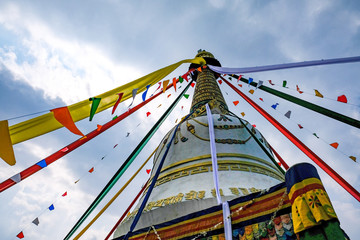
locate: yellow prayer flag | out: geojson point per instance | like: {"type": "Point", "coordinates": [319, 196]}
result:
{"type": "Point", "coordinates": [318, 94]}
{"type": "Point", "coordinates": [251, 91]}
{"type": "Point", "coordinates": [353, 158]}
{"type": "Point", "coordinates": [165, 83]}
{"type": "Point", "coordinates": [242, 114]}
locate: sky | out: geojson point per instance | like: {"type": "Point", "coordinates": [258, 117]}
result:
{"type": "Point", "coordinates": [56, 53]}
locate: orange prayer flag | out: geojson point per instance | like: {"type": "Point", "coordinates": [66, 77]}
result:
{"type": "Point", "coordinates": [63, 116]}
{"type": "Point", "coordinates": [6, 148]}
{"type": "Point", "coordinates": [240, 85]}
{"type": "Point", "coordinates": [199, 69]}
{"type": "Point", "coordinates": [242, 114]}
{"type": "Point", "coordinates": [99, 127]}
{"type": "Point", "coordinates": [236, 102]}
{"type": "Point", "coordinates": [318, 94]}
{"type": "Point", "coordinates": [91, 170]}
{"type": "Point", "coordinates": [165, 83]}
{"type": "Point", "coordinates": [334, 145]}
{"type": "Point", "coordinates": [174, 83]}
{"type": "Point", "coordinates": [169, 95]}
{"type": "Point", "coordinates": [251, 91]}
{"type": "Point", "coordinates": [298, 89]}
{"type": "Point", "coordinates": [342, 98]}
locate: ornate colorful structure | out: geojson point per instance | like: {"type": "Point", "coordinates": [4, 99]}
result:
{"type": "Point", "coordinates": [183, 204]}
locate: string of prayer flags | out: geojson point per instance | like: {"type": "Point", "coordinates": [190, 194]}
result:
{"type": "Point", "coordinates": [134, 91]}
{"type": "Point", "coordinates": [168, 95]}
{"type": "Point", "coordinates": [352, 158]}
{"type": "Point", "coordinates": [64, 194]}
{"type": "Point", "coordinates": [334, 145]}
{"type": "Point", "coordinates": [318, 94]}
{"type": "Point", "coordinates": [91, 170]}
{"type": "Point", "coordinates": [94, 106]}
{"type": "Point", "coordinates": [6, 147]}
{"type": "Point", "coordinates": [20, 235]}
{"type": "Point", "coordinates": [16, 178]}
{"type": "Point", "coordinates": [240, 76]}
{"type": "Point", "coordinates": [298, 89]}
{"type": "Point", "coordinates": [250, 80]}
{"type": "Point", "coordinates": [315, 135]}
{"type": "Point", "coordinates": [220, 81]}
{"type": "Point", "coordinates": [284, 83]}
{"type": "Point", "coordinates": [342, 98]}
{"type": "Point", "coordinates": [274, 105]}
{"type": "Point", "coordinates": [192, 84]}
{"type": "Point", "coordinates": [98, 127]}
{"type": "Point", "coordinates": [288, 114]}
{"type": "Point", "coordinates": [145, 92]}
{"type": "Point", "coordinates": [260, 83]}
{"type": "Point", "coordinates": [42, 163]}
{"type": "Point", "coordinates": [63, 116]}
{"type": "Point", "coordinates": [236, 102]}
{"type": "Point", "coordinates": [36, 221]}
{"type": "Point", "coordinates": [51, 207]}
{"type": "Point", "coordinates": [242, 114]}
{"type": "Point", "coordinates": [301, 127]}
{"type": "Point", "coordinates": [181, 79]}
{"type": "Point", "coordinates": [271, 82]}
{"type": "Point", "coordinates": [148, 114]}
{"type": "Point", "coordinates": [174, 83]}
{"type": "Point", "coordinates": [148, 171]}
{"type": "Point", "coordinates": [251, 91]}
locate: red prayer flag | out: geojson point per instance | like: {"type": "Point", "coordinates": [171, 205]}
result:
{"type": "Point", "coordinates": [298, 89]}
{"type": "Point", "coordinates": [342, 98]}
{"type": "Point", "coordinates": [240, 85]}
{"type": "Point", "coordinates": [300, 126]}
{"type": "Point", "coordinates": [220, 82]}
{"type": "Point", "coordinates": [192, 84]}
{"type": "Point", "coordinates": [148, 114]}
{"type": "Point", "coordinates": [279, 163]}
{"type": "Point", "coordinates": [174, 83]}
{"type": "Point", "coordinates": [236, 103]}
{"type": "Point", "coordinates": [65, 194]}
{"type": "Point", "coordinates": [271, 82]}
{"type": "Point", "coordinates": [91, 170]}
{"type": "Point", "coordinates": [20, 235]}
{"type": "Point", "coordinates": [148, 171]}
{"type": "Point", "coordinates": [240, 76]}
{"type": "Point", "coordinates": [254, 125]}
{"type": "Point", "coordinates": [99, 127]}
{"type": "Point", "coordinates": [334, 145]}
{"type": "Point", "coordinates": [117, 102]}
{"type": "Point", "coordinates": [261, 99]}
{"type": "Point", "coordinates": [115, 146]}
{"type": "Point", "coordinates": [169, 95]}
{"type": "Point", "coordinates": [63, 116]}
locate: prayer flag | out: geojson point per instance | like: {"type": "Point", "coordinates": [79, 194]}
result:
{"type": "Point", "coordinates": [315, 135]}
{"type": "Point", "coordinates": [114, 117]}
{"type": "Point", "coordinates": [159, 106]}
{"type": "Point", "coordinates": [51, 207]}
{"type": "Point", "coordinates": [145, 92]}
{"type": "Point", "coordinates": [254, 125]}
{"type": "Point", "coordinates": [63, 116]}
{"type": "Point", "coordinates": [298, 89]}
{"type": "Point", "coordinates": [16, 178]}
{"type": "Point", "coordinates": [236, 102]}
{"type": "Point", "coordinates": [148, 171]}
{"type": "Point", "coordinates": [42, 163]}
{"type": "Point", "coordinates": [186, 96]}
{"type": "Point", "coordinates": [271, 82]}
{"type": "Point", "coordinates": [185, 76]}
{"type": "Point", "coordinates": [77, 181]}
{"type": "Point", "coordinates": [318, 94]}
{"type": "Point", "coordinates": [98, 127]}
{"type": "Point", "coordinates": [301, 127]}
{"type": "Point", "coordinates": [274, 105]}
{"type": "Point", "coordinates": [134, 91]}
{"type": "Point", "coordinates": [192, 84]}
{"type": "Point", "coordinates": [20, 235]}
{"type": "Point", "coordinates": [240, 85]}
{"type": "Point", "coordinates": [251, 91]}
{"type": "Point", "coordinates": [91, 170]}
{"type": "Point", "coordinates": [334, 145]}
{"type": "Point", "coordinates": [284, 83]}
{"type": "Point", "coordinates": [260, 83]}
{"type": "Point", "coordinates": [127, 134]}
{"type": "Point", "coordinates": [240, 76]}
{"type": "Point", "coordinates": [36, 221]}
{"type": "Point", "coordinates": [64, 194]}
{"type": "Point", "coordinates": [169, 95]}
{"type": "Point", "coordinates": [342, 98]}
{"type": "Point", "coordinates": [94, 106]}
{"type": "Point", "coordinates": [6, 148]}
{"type": "Point", "coordinates": [250, 80]}
{"type": "Point", "coordinates": [117, 102]}
{"type": "Point", "coordinates": [242, 114]}
{"type": "Point", "coordinates": [199, 69]}
{"type": "Point", "coordinates": [279, 163]}
{"type": "Point", "coordinates": [115, 146]}
{"type": "Point", "coordinates": [165, 84]}
{"type": "Point", "coordinates": [148, 114]}
{"type": "Point", "coordinates": [181, 79]}
{"type": "Point", "coordinates": [353, 158]}
{"type": "Point", "coordinates": [288, 114]}
{"type": "Point", "coordinates": [174, 83]}
{"type": "Point", "coordinates": [220, 82]}
{"type": "Point", "coordinates": [261, 99]}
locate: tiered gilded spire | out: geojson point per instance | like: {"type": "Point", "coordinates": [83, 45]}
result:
{"type": "Point", "coordinates": [207, 90]}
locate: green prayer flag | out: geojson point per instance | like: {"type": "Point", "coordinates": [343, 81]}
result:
{"type": "Point", "coordinates": [94, 106]}
{"type": "Point", "coordinates": [181, 79]}
{"type": "Point", "coordinates": [186, 96]}
{"type": "Point", "coordinates": [284, 83]}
